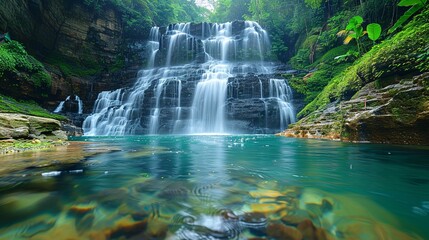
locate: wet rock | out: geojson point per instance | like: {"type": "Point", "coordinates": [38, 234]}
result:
{"type": "Point", "coordinates": [84, 223]}
{"type": "Point", "coordinates": [37, 226]}
{"type": "Point", "coordinates": [18, 206]}
{"type": "Point", "coordinates": [23, 126]}
{"type": "Point", "coordinates": [82, 209]}
{"type": "Point", "coordinates": [267, 207]}
{"type": "Point", "coordinates": [395, 114]}
{"type": "Point", "coordinates": [293, 220]}
{"type": "Point", "coordinates": [126, 228]}
{"type": "Point", "coordinates": [265, 193]}
{"type": "Point", "coordinates": [307, 229]}
{"type": "Point", "coordinates": [253, 219]}
{"type": "Point", "coordinates": [282, 232]}
{"type": "Point", "coordinates": [156, 229]}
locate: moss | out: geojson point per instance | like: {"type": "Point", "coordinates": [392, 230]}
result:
{"type": "Point", "coordinates": [327, 67]}
{"type": "Point", "coordinates": [14, 59]}
{"type": "Point", "coordinates": [118, 65]}
{"type": "Point", "coordinates": [397, 55]}
{"type": "Point", "coordinates": [86, 66]}
{"type": "Point", "coordinates": [10, 105]}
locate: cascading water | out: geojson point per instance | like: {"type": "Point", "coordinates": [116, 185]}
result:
{"type": "Point", "coordinates": [77, 100]}
{"type": "Point", "coordinates": [61, 105]}
{"type": "Point", "coordinates": [201, 78]}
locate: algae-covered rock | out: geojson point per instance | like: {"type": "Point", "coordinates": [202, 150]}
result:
{"type": "Point", "coordinates": [397, 113]}
{"type": "Point", "coordinates": [25, 126]}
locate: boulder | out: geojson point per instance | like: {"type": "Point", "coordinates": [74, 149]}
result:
{"type": "Point", "coordinates": [24, 126]}
{"type": "Point", "coordinates": [396, 114]}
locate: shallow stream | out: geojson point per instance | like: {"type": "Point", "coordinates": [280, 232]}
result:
{"type": "Point", "coordinates": [219, 187]}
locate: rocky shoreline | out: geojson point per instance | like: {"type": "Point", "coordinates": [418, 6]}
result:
{"type": "Point", "coordinates": [20, 133]}
{"type": "Point", "coordinates": [394, 114]}
{"type": "Point", "coordinates": [11, 146]}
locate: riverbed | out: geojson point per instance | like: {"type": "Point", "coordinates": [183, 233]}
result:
{"type": "Point", "coordinates": [220, 187]}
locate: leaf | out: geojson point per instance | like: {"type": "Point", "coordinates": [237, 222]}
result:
{"type": "Point", "coordinates": [405, 17]}
{"type": "Point", "coordinates": [407, 3]}
{"type": "Point", "coordinates": [357, 20]}
{"type": "Point", "coordinates": [347, 40]}
{"type": "Point", "coordinates": [354, 22]}
{"type": "Point", "coordinates": [374, 31]}
{"type": "Point", "coordinates": [359, 32]}
{"type": "Point", "coordinates": [342, 33]}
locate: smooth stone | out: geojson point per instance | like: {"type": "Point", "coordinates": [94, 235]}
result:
{"type": "Point", "coordinates": [156, 229]}
{"type": "Point", "coordinates": [293, 220]}
{"type": "Point", "coordinates": [282, 232]}
{"type": "Point", "coordinates": [38, 226]}
{"type": "Point", "coordinates": [267, 207]}
{"type": "Point", "coordinates": [253, 219]}
{"type": "Point", "coordinates": [265, 193]}
{"type": "Point", "coordinates": [84, 223]}
{"type": "Point", "coordinates": [81, 209]}
{"type": "Point", "coordinates": [126, 228]}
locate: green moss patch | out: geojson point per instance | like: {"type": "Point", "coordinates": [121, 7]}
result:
{"type": "Point", "coordinates": [10, 105]}
{"type": "Point", "coordinates": [401, 54]}
{"type": "Point", "coordinates": [14, 59]}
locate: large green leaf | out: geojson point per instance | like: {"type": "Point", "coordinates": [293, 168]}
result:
{"type": "Point", "coordinates": [407, 3]}
{"type": "Point", "coordinates": [359, 32]}
{"type": "Point", "coordinates": [354, 23]}
{"type": "Point", "coordinates": [405, 17]}
{"type": "Point", "coordinates": [374, 31]}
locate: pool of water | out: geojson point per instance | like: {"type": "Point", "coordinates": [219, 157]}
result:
{"type": "Point", "coordinates": [220, 187]}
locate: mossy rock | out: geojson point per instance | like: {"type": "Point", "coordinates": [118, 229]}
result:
{"type": "Point", "coordinates": [398, 55]}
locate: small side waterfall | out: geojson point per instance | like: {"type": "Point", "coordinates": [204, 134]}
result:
{"type": "Point", "coordinates": [61, 105]}
{"type": "Point", "coordinates": [76, 100]}
{"type": "Point", "coordinates": [200, 78]}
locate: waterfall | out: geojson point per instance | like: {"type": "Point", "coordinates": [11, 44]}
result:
{"type": "Point", "coordinates": [200, 78]}
{"type": "Point", "coordinates": [61, 105]}
{"type": "Point", "coordinates": [78, 101]}
{"type": "Point", "coordinates": [80, 104]}
{"type": "Point", "coordinates": [282, 93]}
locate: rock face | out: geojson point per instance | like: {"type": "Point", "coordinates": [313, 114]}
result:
{"type": "Point", "coordinates": [396, 114]}
{"type": "Point", "coordinates": [25, 126]}
{"type": "Point", "coordinates": [67, 31]}
{"type": "Point", "coordinates": [63, 26]}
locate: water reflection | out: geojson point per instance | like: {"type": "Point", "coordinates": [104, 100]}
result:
{"type": "Point", "coordinates": [219, 187]}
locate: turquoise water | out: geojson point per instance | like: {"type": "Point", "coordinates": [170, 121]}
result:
{"type": "Point", "coordinates": [221, 187]}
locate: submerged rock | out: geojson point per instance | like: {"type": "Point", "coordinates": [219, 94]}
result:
{"type": "Point", "coordinates": [282, 232]}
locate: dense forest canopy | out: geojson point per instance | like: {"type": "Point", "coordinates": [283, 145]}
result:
{"type": "Point", "coordinates": [290, 22]}
{"type": "Point", "coordinates": [140, 14]}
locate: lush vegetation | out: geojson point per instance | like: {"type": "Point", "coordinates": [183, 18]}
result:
{"type": "Point", "coordinates": [140, 15]}
{"type": "Point", "coordinates": [10, 105]}
{"type": "Point", "coordinates": [310, 35]}
{"type": "Point", "coordinates": [14, 59]}
{"type": "Point", "coordinates": [404, 53]}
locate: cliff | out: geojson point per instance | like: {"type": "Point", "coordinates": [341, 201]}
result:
{"type": "Point", "coordinates": [83, 51]}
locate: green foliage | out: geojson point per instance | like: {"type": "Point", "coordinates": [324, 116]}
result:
{"type": "Point", "coordinates": [327, 67]}
{"type": "Point", "coordinates": [10, 105]}
{"type": "Point", "coordinates": [374, 31]}
{"type": "Point", "coordinates": [416, 5]}
{"type": "Point", "coordinates": [229, 10]}
{"type": "Point", "coordinates": [404, 53]}
{"type": "Point", "coordinates": [139, 15]}
{"type": "Point", "coordinates": [313, 3]}
{"type": "Point", "coordinates": [354, 30]}
{"type": "Point", "coordinates": [14, 59]}
{"type": "Point", "coordinates": [86, 66]}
